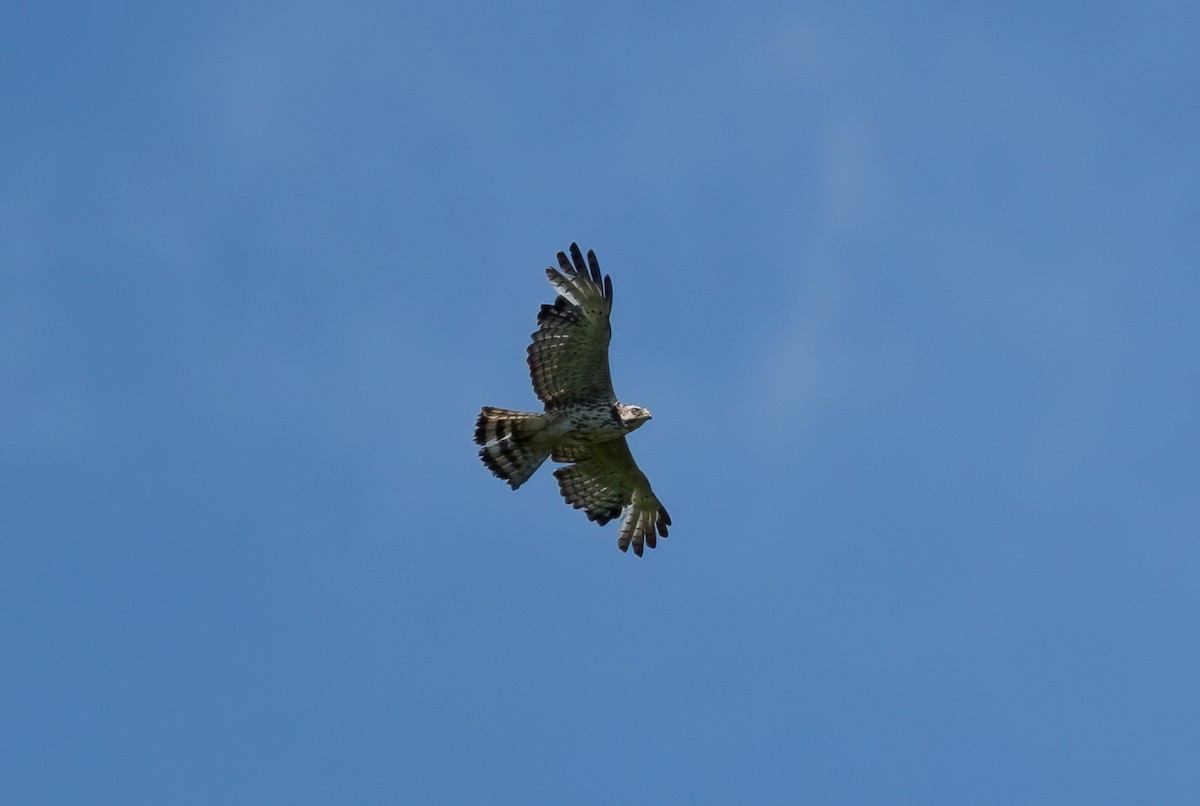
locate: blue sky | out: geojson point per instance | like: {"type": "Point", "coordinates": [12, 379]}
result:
{"type": "Point", "coordinates": [911, 291]}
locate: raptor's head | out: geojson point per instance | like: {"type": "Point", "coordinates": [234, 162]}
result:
{"type": "Point", "coordinates": [632, 416]}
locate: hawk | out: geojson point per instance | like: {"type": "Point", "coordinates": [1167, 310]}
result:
{"type": "Point", "coordinates": [583, 425]}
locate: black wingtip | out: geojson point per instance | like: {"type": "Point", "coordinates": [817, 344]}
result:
{"type": "Point", "coordinates": [608, 289]}
{"type": "Point", "coordinates": [594, 267]}
{"type": "Point", "coordinates": [577, 259]}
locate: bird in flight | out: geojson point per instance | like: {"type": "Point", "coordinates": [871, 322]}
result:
{"type": "Point", "coordinates": [583, 424]}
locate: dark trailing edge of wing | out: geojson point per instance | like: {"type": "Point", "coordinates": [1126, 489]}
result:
{"type": "Point", "coordinates": [601, 518]}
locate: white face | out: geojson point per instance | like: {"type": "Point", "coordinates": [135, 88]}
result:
{"type": "Point", "coordinates": [634, 416]}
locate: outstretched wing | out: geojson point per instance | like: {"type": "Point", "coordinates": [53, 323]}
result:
{"type": "Point", "coordinates": [568, 359]}
{"type": "Point", "coordinates": [604, 481]}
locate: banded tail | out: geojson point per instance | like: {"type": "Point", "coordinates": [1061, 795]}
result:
{"type": "Point", "coordinates": [509, 450]}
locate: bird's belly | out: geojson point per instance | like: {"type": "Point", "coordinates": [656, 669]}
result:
{"type": "Point", "coordinates": [584, 425]}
